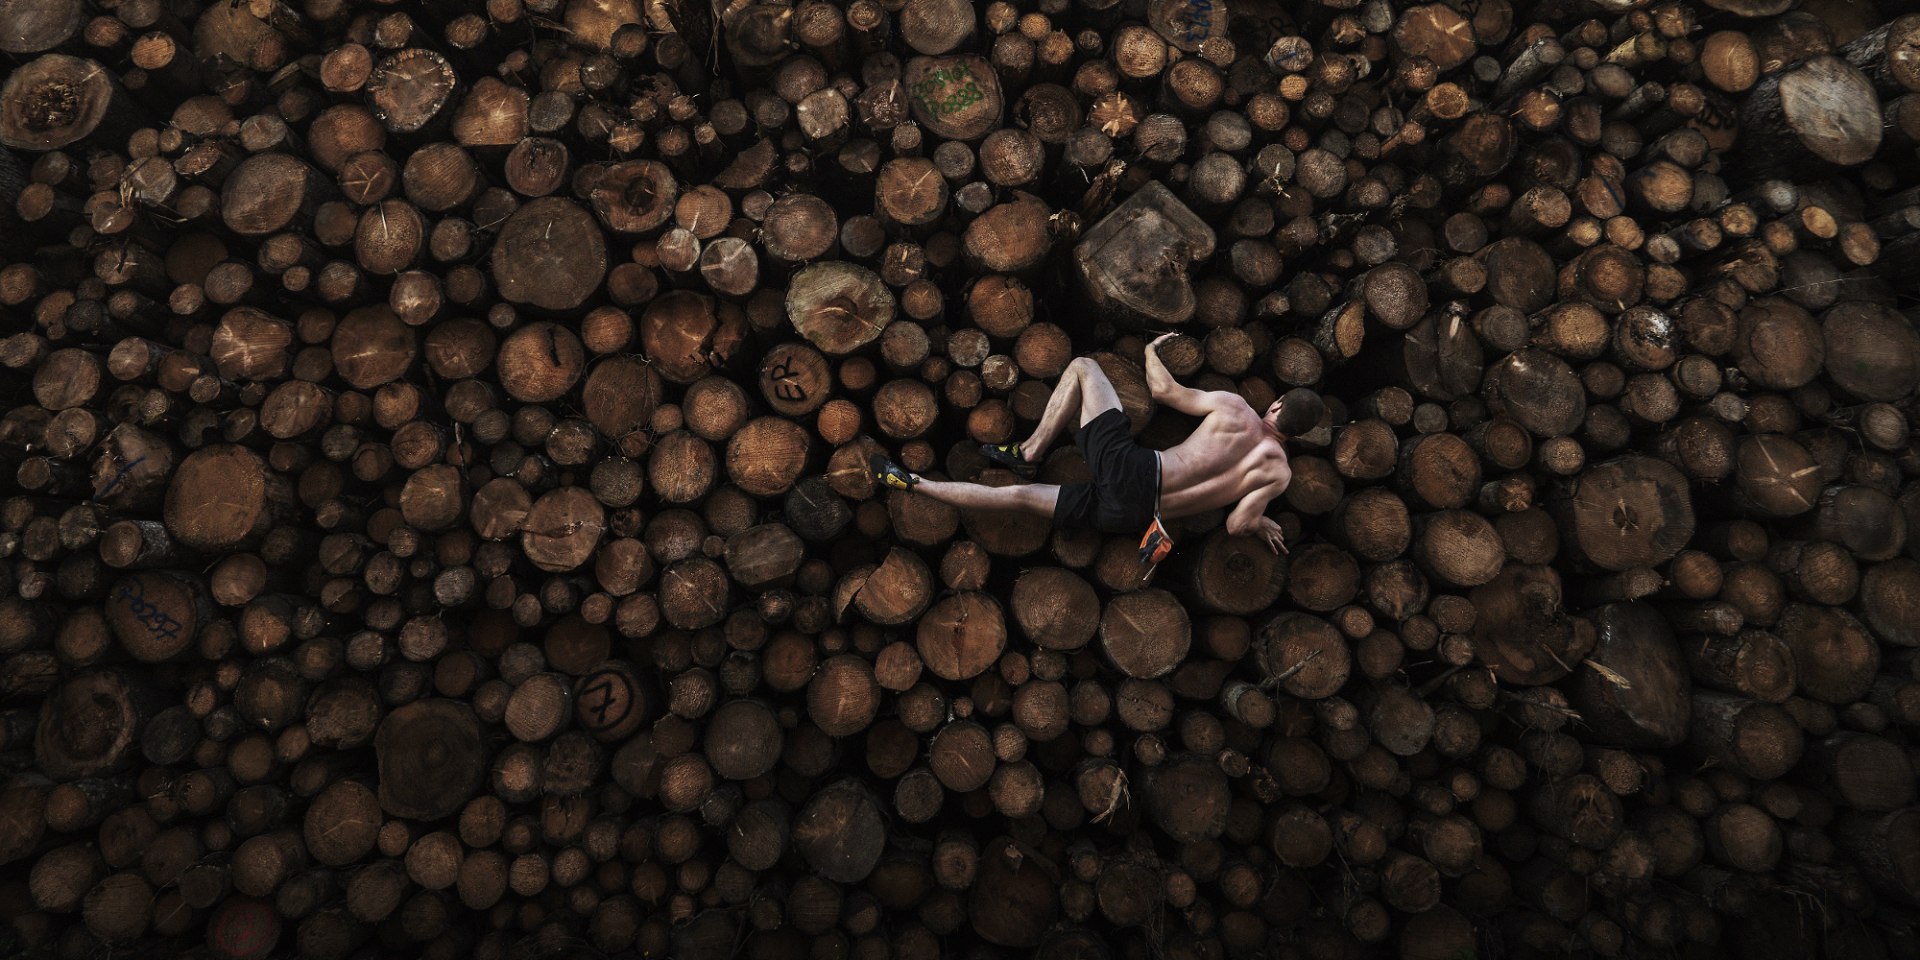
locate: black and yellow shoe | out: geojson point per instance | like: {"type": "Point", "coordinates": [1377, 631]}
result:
{"type": "Point", "coordinates": [1008, 455]}
{"type": "Point", "coordinates": [891, 475]}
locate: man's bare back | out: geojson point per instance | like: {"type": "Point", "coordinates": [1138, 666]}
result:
{"type": "Point", "coordinates": [1230, 455]}
{"type": "Point", "coordinates": [1235, 456]}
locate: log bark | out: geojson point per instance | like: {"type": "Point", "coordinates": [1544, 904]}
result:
{"type": "Point", "coordinates": [1632, 688]}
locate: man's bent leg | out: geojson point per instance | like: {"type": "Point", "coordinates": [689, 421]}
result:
{"type": "Point", "coordinates": [1034, 498]}
{"type": "Point", "coordinates": [1082, 394]}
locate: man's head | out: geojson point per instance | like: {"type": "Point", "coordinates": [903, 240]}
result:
{"type": "Point", "coordinates": [1295, 413]}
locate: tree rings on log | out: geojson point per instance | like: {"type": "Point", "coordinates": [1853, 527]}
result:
{"type": "Point", "coordinates": [90, 726]}
{"type": "Point", "coordinates": [409, 88]}
{"type": "Point", "coordinates": [1632, 511]}
{"type": "Point", "coordinates": [562, 528]}
{"type": "Point", "coordinates": [620, 395]}
{"type": "Point", "coordinates": [635, 196]}
{"type": "Point", "coordinates": [156, 615]}
{"type": "Point", "coordinates": [1145, 633]}
{"type": "Point", "coordinates": [1822, 107]}
{"type": "Point", "coordinates": [962, 635]}
{"type": "Point", "coordinates": [840, 832]}
{"type": "Point", "coordinates": [893, 593]}
{"type": "Point", "coordinates": [372, 347]}
{"type": "Point", "coordinates": [56, 100]}
{"type": "Point", "coordinates": [36, 26]}
{"type": "Point", "coordinates": [1133, 264]}
{"type": "Point", "coordinates": [224, 498]}
{"type": "Point", "coordinates": [839, 307]}
{"type": "Point", "coordinates": [1015, 898]}
{"type": "Point", "coordinates": [1304, 654]}
{"type": "Point", "coordinates": [432, 759]}
{"type": "Point", "coordinates": [687, 335]}
{"type": "Point", "coordinates": [269, 192]}
{"type": "Point", "coordinates": [1237, 575]}
{"type": "Point", "coordinates": [1538, 391]}
{"type": "Point", "coordinates": [610, 701]}
{"type": "Point", "coordinates": [1055, 608]}
{"type": "Point", "coordinates": [1188, 797]}
{"type": "Point", "coordinates": [1010, 237]}
{"type": "Point", "coordinates": [1871, 351]}
{"type": "Point", "coordinates": [795, 379]}
{"type": "Point", "coordinates": [550, 254]}
{"type": "Point", "coordinates": [1188, 23]}
{"type": "Point", "coordinates": [766, 456]}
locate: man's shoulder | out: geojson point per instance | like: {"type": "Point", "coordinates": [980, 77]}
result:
{"type": "Point", "coordinates": [1228, 405]}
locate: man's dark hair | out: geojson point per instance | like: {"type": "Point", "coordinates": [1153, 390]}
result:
{"type": "Point", "coordinates": [1300, 412]}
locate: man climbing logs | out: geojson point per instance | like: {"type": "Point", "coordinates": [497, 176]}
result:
{"type": "Point", "coordinates": [1235, 456]}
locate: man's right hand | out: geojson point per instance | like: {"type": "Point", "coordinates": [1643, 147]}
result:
{"type": "Point", "coordinates": [1155, 345]}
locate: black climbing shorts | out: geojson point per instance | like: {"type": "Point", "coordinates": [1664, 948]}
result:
{"type": "Point", "coordinates": [1125, 493]}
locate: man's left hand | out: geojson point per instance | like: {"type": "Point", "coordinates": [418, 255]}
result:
{"type": "Point", "coordinates": [1275, 540]}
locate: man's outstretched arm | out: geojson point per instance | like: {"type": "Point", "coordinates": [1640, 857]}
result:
{"type": "Point", "coordinates": [1167, 390]}
{"type": "Point", "coordinates": [1249, 517]}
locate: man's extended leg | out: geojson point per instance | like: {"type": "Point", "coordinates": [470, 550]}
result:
{"type": "Point", "coordinates": [1034, 498]}
{"type": "Point", "coordinates": [1082, 394]}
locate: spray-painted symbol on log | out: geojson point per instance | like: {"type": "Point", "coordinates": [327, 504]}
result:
{"type": "Point", "coordinates": [158, 622]}
{"type": "Point", "coordinates": [604, 700]}
{"type": "Point", "coordinates": [785, 385]}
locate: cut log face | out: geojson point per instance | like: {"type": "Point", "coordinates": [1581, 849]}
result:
{"type": "Point", "coordinates": [54, 100]}
{"type": "Point", "coordinates": [840, 307]}
{"type": "Point", "coordinates": [1188, 24]}
{"type": "Point", "coordinates": [1145, 633]}
{"type": "Point", "coordinates": [840, 832]}
{"type": "Point", "coordinates": [222, 498]}
{"type": "Point", "coordinates": [90, 727]}
{"type": "Point", "coordinates": [156, 615]}
{"type": "Point", "coordinates": [1631, 512]}
{"type": "Point", "coordinates": [1825, 105]}
{"type": "Point", "coordinates": [432, 759]}
{"type": "Point", "coordinates": [1134, 262]}
{"type": "Point", "coordinates": [1237, 575]}
{"type": "Point", "coordinates": [1539, 391]}
{"type": "Point", "coordinates": [550, 255]}
{"type": "Point", "coordinates": [957, 97]}
{"type": "Point", "coordinates": [1871, 351]}
{"type": "Point", "coordinates": [1055, 608]}
{"type": "Point", "coordinates": [1305, 655]}
{"type": "Point", "coordinates": [610, 702]}
{"type": "Point", "coordinates": [35, 27]}
{"type": "Point", "coordinates": [620, 395]}
{"type": "Point", "coordinates": [1014, 901]}
{"type": "Point", "coordinates": [962, 636]}
{"type": "Point", "coordinates": [1522, 630]}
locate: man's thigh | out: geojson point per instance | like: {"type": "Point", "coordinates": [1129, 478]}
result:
{"type": "Point", "coordinates": [1097, 395]}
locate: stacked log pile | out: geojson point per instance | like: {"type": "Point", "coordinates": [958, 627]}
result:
{"type": "Point", "coordinates": [438, 522]}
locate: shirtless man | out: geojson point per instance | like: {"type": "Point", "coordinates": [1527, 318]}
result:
{"type": "Point", "coordinates": [1236, 456]}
